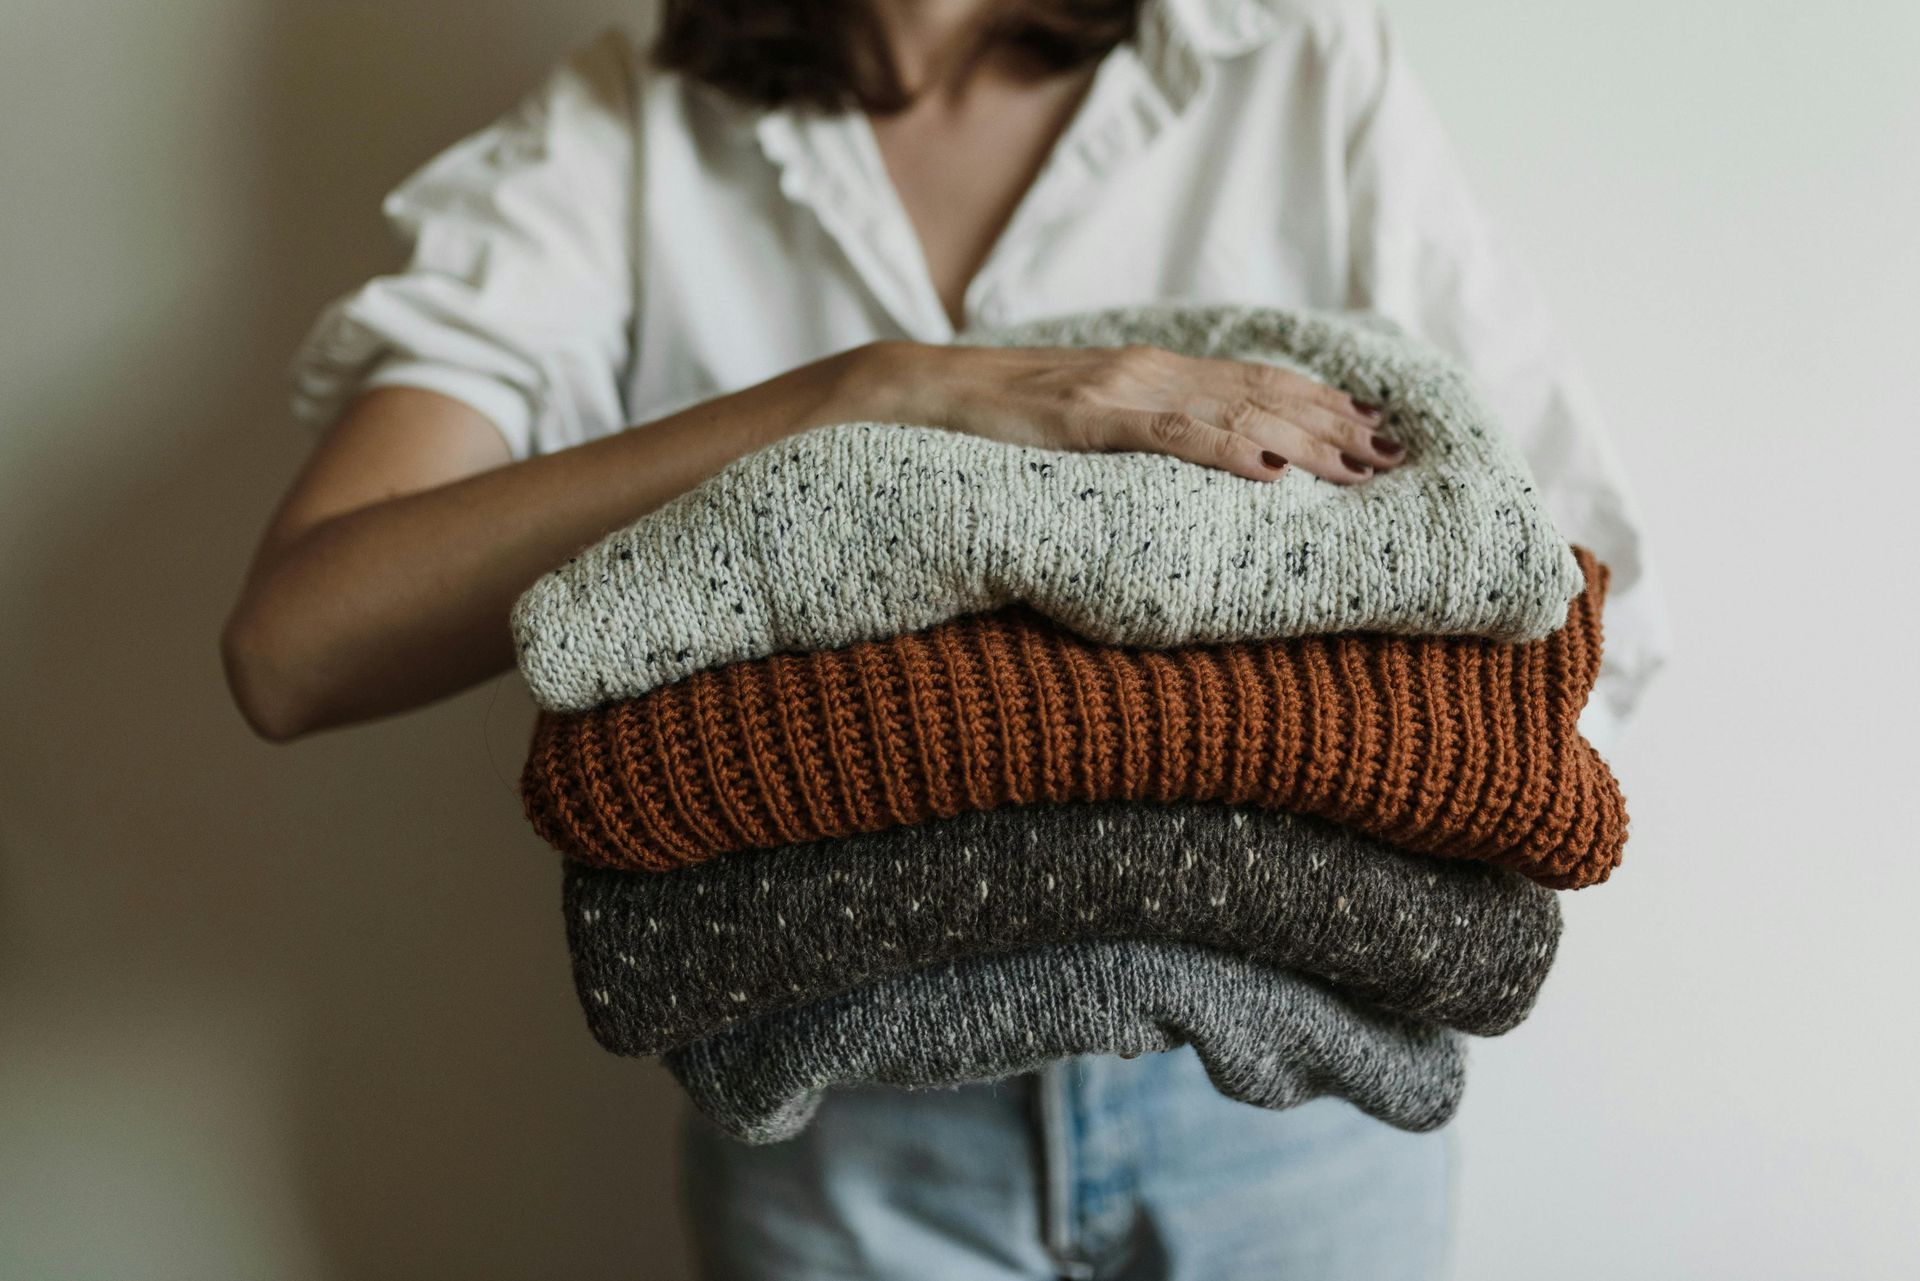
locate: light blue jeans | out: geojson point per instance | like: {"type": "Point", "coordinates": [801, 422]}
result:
{"type": "Point", "coordinates": [1097, 1168]}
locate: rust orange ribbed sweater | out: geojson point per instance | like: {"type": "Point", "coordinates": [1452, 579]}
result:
{"type": "Point", "coordinates": [1444, 745]}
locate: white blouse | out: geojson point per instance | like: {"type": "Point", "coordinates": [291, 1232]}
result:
{"type": "Point", "coordinates": [626, 242]}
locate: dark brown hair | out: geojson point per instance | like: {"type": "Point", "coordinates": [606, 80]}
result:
{"type": "Point", "coordinates": [828, 53]}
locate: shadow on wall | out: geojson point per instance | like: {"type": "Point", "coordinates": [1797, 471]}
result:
{"type": "Point", "coordinates": [310, 1003]}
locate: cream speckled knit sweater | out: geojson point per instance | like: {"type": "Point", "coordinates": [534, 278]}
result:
{"type": "Point", "coordinates": [866, 530]}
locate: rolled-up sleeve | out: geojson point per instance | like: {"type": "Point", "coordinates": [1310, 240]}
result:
{"type": "Point", "coordinates": [1425, 255]}
{"type": "Point", "coordinates": [517, 292]}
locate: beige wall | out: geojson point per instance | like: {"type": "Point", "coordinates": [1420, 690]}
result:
{"type": "Point", "coordinates": [264, 1012]}
{"type": "Point", "coordinates": [304, 1012]}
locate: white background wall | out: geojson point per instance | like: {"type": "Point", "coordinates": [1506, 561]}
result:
{"type": "Point", "coordinates": [304, 1012]}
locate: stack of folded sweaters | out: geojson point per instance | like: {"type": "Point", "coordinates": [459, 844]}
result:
{"type": "Point", "coordinates": [895, 755]}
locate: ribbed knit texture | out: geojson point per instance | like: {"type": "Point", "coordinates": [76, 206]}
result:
{"type": "Point", "coordinates": [1451, 746]}
{"type": "Point", "coordinates": [866, 530]}
{"type": "Point", "coordinates": [661, 960]}
{"type": "Point", "coordinates": [1267, 1037]}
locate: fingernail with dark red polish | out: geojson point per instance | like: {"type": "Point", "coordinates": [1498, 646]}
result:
{"type": "Point", "coordinates": [1391, 448]}
{"type": "Point", "coordinates": [1272, 459]}
{"type": "Point", "coordinates": [1367, 409]}
{"type": "Point", "coordinates": [1355, 466]}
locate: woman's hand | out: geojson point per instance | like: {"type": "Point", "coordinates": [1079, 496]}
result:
{"type": "Point", "coordinates": [1248, 418]}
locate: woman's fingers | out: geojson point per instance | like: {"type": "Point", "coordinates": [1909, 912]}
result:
{"type": "Point", "coordinates": [1188, 437]}
{"type": "Point", "coordinates": [1363, 441]}
{"type": "Point", "coordinates": [1270, 384]}
{"type": "Point", "coordinates": [1312, 438]}
{"type": "Point", "coordinates": [1342, 441]}
{"type": "Point", "coordinates": [1245, 417]}
{"type": "Point", "coordinates": [1290, 440]}
{"type": "Point", "coordinates": [1253, 440]}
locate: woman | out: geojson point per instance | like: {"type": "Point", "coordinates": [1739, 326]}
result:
{"type": "Point", "coordinates": [779, 215]}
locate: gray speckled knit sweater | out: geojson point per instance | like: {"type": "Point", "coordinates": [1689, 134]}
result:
{"type": "Point", "coordinates": [1266, 1037]}
{"type": "Point", "coordinates": [662, 958]}
{"type": "Point", "coordinates": [865, 530]}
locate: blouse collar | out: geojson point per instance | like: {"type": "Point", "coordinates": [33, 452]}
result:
{"type": "Point", "coordinates": [829, 161]}
{"type": "Point", "coordinates": [1178, 40]}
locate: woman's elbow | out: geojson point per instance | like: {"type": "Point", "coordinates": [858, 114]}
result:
{"type": "Point", "coordinates": [256, 667]}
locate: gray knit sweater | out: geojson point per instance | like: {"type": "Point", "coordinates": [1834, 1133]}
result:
{"type": "Point", "coordinates": [662, 958]}
{"type": "Point", "coordinates": [865, 530]}
{"type": "Point", "coordinates": [1267, 1037]}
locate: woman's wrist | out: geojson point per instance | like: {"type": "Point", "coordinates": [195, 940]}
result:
{"type": "Point", "coordinates": [892, 380]}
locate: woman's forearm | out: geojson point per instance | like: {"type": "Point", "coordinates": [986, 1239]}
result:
{"type": "Point", "coordinates": [388, 576]}
{"type": "Point", "coordinates": [399, 601]}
